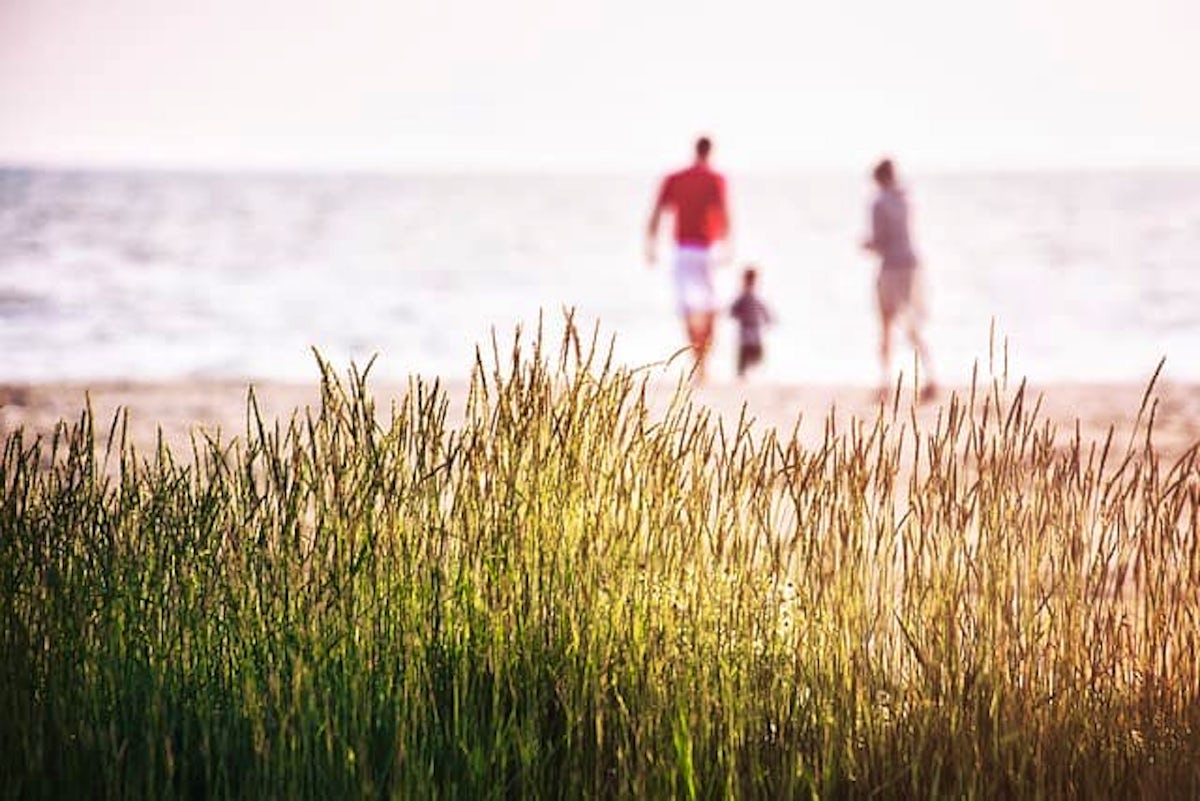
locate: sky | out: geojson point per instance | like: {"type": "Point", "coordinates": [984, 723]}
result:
{"type": "Point", "coordinates": [608, 85]}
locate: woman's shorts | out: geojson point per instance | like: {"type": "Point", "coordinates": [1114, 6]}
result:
{"type": "Point", "coordinates": [901, 291]}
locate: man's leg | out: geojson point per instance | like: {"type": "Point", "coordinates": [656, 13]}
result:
{"type": "Point", "coordinates": [697, 301]}
{"type": "Point", "coordinates": [709, 325]}
{"type": "Point", "coordinates": [699, 327]}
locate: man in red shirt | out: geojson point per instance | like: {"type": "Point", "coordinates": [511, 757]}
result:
{"type": "Point", "coordinates": [696, 198]}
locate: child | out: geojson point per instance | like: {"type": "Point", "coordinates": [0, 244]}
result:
{"type": "Point", "coordinates": [751, 315]}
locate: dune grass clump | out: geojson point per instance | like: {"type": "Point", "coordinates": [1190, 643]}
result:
{"type": "Point", "coordinates": [580, 593]}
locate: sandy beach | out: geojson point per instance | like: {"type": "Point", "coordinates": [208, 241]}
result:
{"type": "Point", "coordinates": [181, 408]}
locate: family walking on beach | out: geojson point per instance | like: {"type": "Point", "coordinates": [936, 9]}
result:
{"type": "Point", "coordinates": [695, 196]}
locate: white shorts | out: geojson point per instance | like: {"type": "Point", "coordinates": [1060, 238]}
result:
{"type": "Point", "coordinates": [693, 280]}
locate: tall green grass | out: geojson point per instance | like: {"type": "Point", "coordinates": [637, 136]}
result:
{"type": "Point", "coordinates": [580, 593]}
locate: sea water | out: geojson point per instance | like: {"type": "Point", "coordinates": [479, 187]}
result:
{"type": "Point", "coordinates": [160, 276]}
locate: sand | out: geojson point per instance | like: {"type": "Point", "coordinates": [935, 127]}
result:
{"type": "Point", "coordinates": [180, 408]}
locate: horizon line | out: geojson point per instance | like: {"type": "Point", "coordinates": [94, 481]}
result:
{"type": "Point", "coordinates": [188, 167]}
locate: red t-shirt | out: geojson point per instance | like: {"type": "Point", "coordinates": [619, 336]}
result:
{"type": "Point", "coordinates": [697, 197]}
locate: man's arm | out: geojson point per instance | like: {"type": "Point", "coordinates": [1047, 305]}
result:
{"type": "Point", "coordinates": [722, 226]}
{"type": "Point", "coordinates": [660, 205]}
{"type": "Point", "coordinates": [718, 212]}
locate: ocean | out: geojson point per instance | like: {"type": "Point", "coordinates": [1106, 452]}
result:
{"type": "Point", "coordinates": [150, 276]}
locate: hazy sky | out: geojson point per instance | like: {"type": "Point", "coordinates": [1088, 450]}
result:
{"type": "Point", "coordinates": [605, 84]}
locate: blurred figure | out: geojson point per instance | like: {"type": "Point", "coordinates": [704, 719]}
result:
{"type": "Point", "coordinates": [751, 315]}
{"type": "Point", "coordinates": [696, 198]}
{"type": "Point", "coordinates": [898, 286]}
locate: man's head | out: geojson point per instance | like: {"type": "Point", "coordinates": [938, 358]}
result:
{"type": "Point", "coordinates": [703, 148]}
{"type": "Point", "coordinates": [749, 277]}
{"type": "Point", "coordinates": [885, 173]}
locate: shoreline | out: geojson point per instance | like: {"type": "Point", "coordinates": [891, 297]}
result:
{"type": "Point", "coordinates": [183, 407]}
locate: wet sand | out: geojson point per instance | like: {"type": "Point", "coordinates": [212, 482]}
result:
{"type": "Point", "coordinates": [182, 408]}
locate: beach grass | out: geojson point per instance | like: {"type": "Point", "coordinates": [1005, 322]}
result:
{"type": "Point", "coordinates": [576, 594]}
